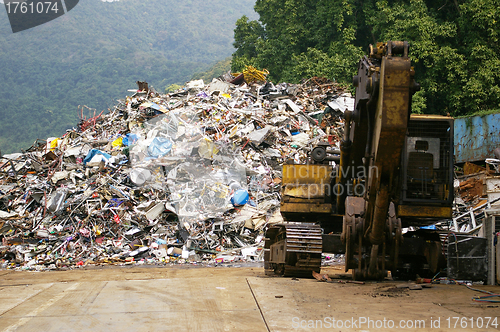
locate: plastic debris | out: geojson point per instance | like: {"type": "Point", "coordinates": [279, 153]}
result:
{"type": "Point", "coordinates": [188, 177]}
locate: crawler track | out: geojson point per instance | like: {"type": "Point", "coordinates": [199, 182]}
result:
{"type": "Point", "coordinates": [293, 249]}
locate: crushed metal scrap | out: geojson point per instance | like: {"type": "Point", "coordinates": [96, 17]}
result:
{"type": "Point", "coordinates": [477, 190]}
{"type": "Point", "coordinates": [186, 177]}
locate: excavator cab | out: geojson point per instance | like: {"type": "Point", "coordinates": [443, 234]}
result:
{"type": "Point", "coordinates": [427, 169]}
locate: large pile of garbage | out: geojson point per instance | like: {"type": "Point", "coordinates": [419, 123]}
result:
{"type": "Point", "coordinates": [191, 176]}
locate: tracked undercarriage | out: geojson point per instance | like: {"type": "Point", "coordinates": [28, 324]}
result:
{"type": "Point", "coordinates": [293, 249]}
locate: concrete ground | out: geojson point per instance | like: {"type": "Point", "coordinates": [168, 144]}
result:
{"type": "Point", "coordinates": [230, 299]}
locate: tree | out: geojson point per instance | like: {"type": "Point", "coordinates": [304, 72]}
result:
{"type": "Point", "coordinates": [453, 45]}
{"type": "Point", "coordinates": [479, 26]}
{"type": "Point", "coordinates": [301, 37]}
{"type": "Point", "coordinates": [439, 67]}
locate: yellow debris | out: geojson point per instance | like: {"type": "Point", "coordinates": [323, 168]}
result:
{"type": "Point", "coordinates": [251, 74]}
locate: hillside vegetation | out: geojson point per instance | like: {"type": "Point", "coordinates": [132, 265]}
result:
{"type": "Point", "coordinates": [454, 45]}
{"type": "Point", "coordinates": [97, 51]}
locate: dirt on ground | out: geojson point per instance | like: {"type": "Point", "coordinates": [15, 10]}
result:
{"type": "Point", "coordinates": [235, 299]}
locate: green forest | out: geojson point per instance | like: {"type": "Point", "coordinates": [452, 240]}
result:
{"type": "Point", "coordinates": [454, 45]}
{"type": "Point", "coordinates": [96, 52]}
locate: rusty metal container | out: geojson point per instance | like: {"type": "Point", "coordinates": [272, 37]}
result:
{"type": "Point", "coordinates": [476, 137]}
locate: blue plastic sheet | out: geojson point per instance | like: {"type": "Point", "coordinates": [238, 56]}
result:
{"type": "Point", "coordinates": [159, 147]}
{"type": "Point", "coordinates": [429, 227]}
{"type": "Point", "coordinates": [94, 152]}
{"type": "Point", "coordinates": [129, 139]}
{"type": "Point", "coordinates": [155, 107]}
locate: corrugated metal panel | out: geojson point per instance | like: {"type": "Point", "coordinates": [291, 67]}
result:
{"type": "Point", "coordinates": [476, 137]}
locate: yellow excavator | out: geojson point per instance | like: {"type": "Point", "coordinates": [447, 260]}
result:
{"type": "Point", "coordinates": [393, 170]}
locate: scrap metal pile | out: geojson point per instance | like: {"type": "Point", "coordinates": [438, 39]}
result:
{"type": "Point", "coordinates": [191, 176]}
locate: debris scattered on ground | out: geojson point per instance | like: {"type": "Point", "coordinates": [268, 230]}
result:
{"type": "Point", "coordinates": [321, 277]}
{"type": "Point", "coordinates": [389, 291]}
{"type": "Point", "coordinates": [191, 176]}
{"type": "Point", "coordinates": [332, 259]}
